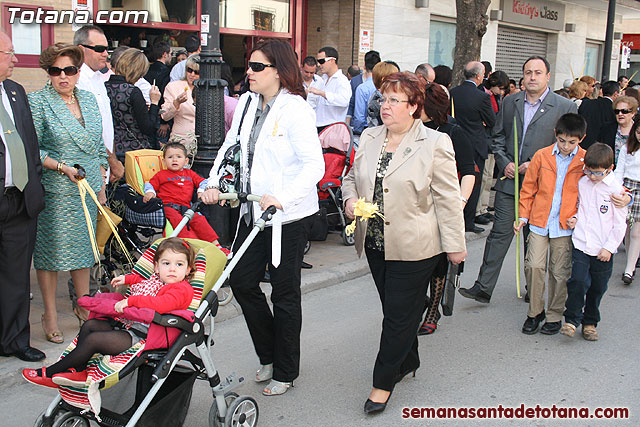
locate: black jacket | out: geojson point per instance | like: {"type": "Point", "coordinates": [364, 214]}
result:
{"type": "Point", "coordinates": [34, 191]}
{"type": "Point", "coordinates": [599, 114]}
{"type": "Point", "coordinates": [474, 114]}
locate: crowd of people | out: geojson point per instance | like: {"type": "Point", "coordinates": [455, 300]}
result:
{"type": "Point", "coordinates": [427, 156]}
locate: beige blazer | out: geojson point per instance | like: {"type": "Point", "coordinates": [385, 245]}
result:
{"type": "Point", "coordinates": [422, 203]}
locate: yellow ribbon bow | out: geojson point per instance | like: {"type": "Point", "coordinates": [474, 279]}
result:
{"type": "Point", "coordinates": [362, 210]}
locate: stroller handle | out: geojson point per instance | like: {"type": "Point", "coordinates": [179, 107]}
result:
{"type": "Point", "coordinates": [241, 197]}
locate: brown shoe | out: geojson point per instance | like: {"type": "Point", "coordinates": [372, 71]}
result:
{"type": "Point", "coordinates": [568, 329]}
{"type": "Point", "coordinates": [589, 333]}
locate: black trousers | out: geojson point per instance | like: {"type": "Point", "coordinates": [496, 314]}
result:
{"type": "Point", "coordinates": [401, 286]}
{"type": "Point", "coordinates": [276, 336]}
{"type": "Point", "coordinates": [17, 240]}
{"type": "Point", "coordinates": [472, 203]}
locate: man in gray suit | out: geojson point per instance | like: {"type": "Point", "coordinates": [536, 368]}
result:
{"type": "Point", "coordinates": [536, 109]}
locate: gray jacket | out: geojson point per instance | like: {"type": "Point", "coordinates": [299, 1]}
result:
{"type": "Point", "coordinates": [540, 132]}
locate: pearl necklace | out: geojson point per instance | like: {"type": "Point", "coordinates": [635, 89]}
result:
{"type": "Point", "coordinates": [381, 173]}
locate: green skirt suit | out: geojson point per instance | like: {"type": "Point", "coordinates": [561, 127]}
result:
{"type": "Point", "coordinates": [62, 240]}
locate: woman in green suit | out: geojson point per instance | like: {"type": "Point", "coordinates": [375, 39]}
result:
{"type": "Point", "coordinates": [69, 128]}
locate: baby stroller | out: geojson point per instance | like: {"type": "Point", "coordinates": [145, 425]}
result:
{"type": "Point", "coordinates": [338, 151]}
{"type": "Point", "coordinates": [142, 223]}
{"type": "Point", "coordinates": [166, 369]}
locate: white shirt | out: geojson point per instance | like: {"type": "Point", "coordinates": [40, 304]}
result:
{"type": "Point", "coordinates": [178, 71]}
{"type": "Point", "coordinates": [333, 108]}
{"type": "Point", "coordinates": [315, 82]}
{"type": "Point", "coordinates": [92, 81]}
{"type": "Point", "coordinates": [144, 87]}
{"type": "Point", "coordinates": [8, 176]}
{"type": "Point", "coordinates": [628, 165]}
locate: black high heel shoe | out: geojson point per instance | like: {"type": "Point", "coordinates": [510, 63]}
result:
{"type": "Point", "coordinates": [371, 407]}
{"type": "Point", "coordinates": [401, 376]}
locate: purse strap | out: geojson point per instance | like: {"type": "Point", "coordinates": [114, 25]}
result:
{"type": "Point", "coordinates": [244, 113]}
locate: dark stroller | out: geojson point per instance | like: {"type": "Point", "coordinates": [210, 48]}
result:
{"type": "Point", "coordinates": [338, 152]}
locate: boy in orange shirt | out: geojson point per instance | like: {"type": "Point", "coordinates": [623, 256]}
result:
{"type": "Point", "coordinates": [548, 200]}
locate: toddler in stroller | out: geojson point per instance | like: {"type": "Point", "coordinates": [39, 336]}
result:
{"type": "Point", "coordinates": [166, 290]}
{"type": "Point", "coordinates": [175, 186]}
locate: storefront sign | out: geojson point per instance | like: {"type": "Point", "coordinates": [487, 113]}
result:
{"type": "Point", "coordinates": [632, 41]}
{"type": "Point", "coordinates": [536, 13]}
{"type": "Point", "coordinates": [81, 5]}
{"type": "Point", "coordinates": [204, 23]}
{"type": "Point", "coordinates": [365, 41]}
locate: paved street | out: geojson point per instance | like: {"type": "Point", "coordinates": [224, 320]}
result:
{"type": "Point", "coordinates": [478, 357]}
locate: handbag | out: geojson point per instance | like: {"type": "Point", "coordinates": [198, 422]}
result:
{"type": "Point", "coordinates": [150, 214]}
{"type": "Point", "coordinates": [452, 283]}
{"type": "Point", "coordinates": [229, 170]}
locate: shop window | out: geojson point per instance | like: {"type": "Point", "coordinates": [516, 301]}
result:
{"type": "Point", "coordinates": [592, 60]}
{"type": "Point", "coordinates": [28, 39]}
{"type": "Point", "coordinates": [269, 15]}
{"type": "Point", "coordinates": [442, 42]}
{"type": "Point", "coordinates": [176, 11]}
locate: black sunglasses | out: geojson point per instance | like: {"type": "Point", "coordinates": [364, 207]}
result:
{"type": "Point", "coordinates": [97, 48]}
{"type": "Point", "coordinates": [191, 70]}
{"type": "Point", "coordinates": [71, 70]}
{"type": "Point", "coordinates": [623, 111]}
{"type": "Point", "coordinates": [259, 66]}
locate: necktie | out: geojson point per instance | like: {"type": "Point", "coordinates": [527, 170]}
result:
{"type": "Point", "coordinates": [15, 146]}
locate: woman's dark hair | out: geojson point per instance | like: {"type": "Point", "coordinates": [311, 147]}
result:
{"type": "Point", "coordinates": [227, 76]}
{"type": "Point", "coordinates": [179, 246]}
{"type": "Point", "coordinates": [436, 103]}
{"type": "Point", "coordinates": [632, 141]}
{"type": "Point", "coordinates": [444, 75]}
{"type": "Point", "coordinates": [410, 84]}
{"type": "Point", "coordinates": [498, 79]}
{"type": "Point", "coordinates": [280, 54]}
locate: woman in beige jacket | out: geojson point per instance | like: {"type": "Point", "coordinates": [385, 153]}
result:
{"type": "Point", "coordinates": [409, 171]}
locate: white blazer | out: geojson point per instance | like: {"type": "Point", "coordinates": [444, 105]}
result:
{"type": "Point", "coordinates": [287, 162]}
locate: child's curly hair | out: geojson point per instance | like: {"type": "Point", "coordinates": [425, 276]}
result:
{"type": "Point", "coordinates": [180, 246]}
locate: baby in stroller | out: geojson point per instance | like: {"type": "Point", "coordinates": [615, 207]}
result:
{"type": "Point", "coordinates": [175, 186]}
{"type": "Point", "coordinates": [167, 290]}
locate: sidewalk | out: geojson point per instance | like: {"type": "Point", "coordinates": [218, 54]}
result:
{"type": "Point", "coordinates": [332, 261]}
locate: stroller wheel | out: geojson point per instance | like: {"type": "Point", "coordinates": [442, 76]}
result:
{"type": "Point", "coordinates": [70, 419]}
{"type": "Point", "coordinates": [242, 413]}
{"type": "Point", "coordinates": [348, 240]}
{"type": "Point", "coordinates": [225, 294]}
{"type": "Point", "coordinates": [214, 421]}
{"type": "Point", "coordinates": [307, 246]}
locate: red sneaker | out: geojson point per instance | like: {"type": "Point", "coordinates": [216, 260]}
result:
{"type": "Point", "coordinates": [32, 376]}
{"type": "Point", "coordinates": [71, 379]}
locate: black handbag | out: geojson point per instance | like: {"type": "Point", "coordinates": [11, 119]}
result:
{"type": "Point", "coordinates": [230, 166]}
{"type": "Point", "coordinates": [452, 283]}
{"type": "Point", "coordinates": [150, 214]}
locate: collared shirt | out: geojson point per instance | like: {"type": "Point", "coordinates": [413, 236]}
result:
{"type": "Point", "coordinates": [333, 108]}
{"type": "Point", "coordinates": [315, 82]}
{"type": "Point", "coordinates": [552, 228]}
{"type": "Point", "coordinates": [628, 165]}
{"type": "Point", "coordinates": [600, 224]}
{"type": "Point", "coordinates": [363, 94]}
{"type": "Point", "coordinates": [471, 81]}
{"type": "Point", "coordinates": [92, 81]}
{"type": "Point", "coordinates": [261, 116]}
{"type": "Point", "coordinates": [8, 176]}
{"type": "Point", "coordinates": [530, 111]}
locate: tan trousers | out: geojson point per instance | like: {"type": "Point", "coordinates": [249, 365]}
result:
{"type": "Point", "coordinates": [535, 270]}
{"type": "Point", "coordinates": [487, 183]}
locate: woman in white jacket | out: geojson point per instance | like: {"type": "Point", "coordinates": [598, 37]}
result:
{"type": "Point", "coordinates": [282, 161]}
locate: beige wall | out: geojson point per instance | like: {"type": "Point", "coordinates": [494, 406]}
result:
{"type": "Point", "coordinates": [34, 78]}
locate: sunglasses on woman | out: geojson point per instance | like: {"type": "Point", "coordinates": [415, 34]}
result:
{"type": "Point", "coordinates": [323, 60]}
{"type": "Point", "coordinates": [259, 66]}
{"type": "Point", "coordinates": [191, 70]}
{"type": "Point", "coordinates": [71, 70]}
{"type": "Point", "coordinates": [622, 111]}
{"type": "Point", "coordinates": [98, 48]}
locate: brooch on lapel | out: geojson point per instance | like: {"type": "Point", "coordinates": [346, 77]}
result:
{"type": "Point", "coordinates": [542, 110]}
{"type": "Point", "coordinates": [406, 151]}
{"type": "Point", "coordinates": [13, 98]}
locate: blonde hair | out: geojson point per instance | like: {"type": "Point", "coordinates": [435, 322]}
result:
{"type": "Point", "coordinates": [629, 100]}
{"type": "Point", "coordinates": [578, 89]}
{"type": "Point", "coordinates": [53, 52]}
{"type": "Point", "coordinates": [192, 62]}
{"type": "Point", "coordinates": [382, 70]}
{"type": "Point", "coordinates": [132, 65]}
